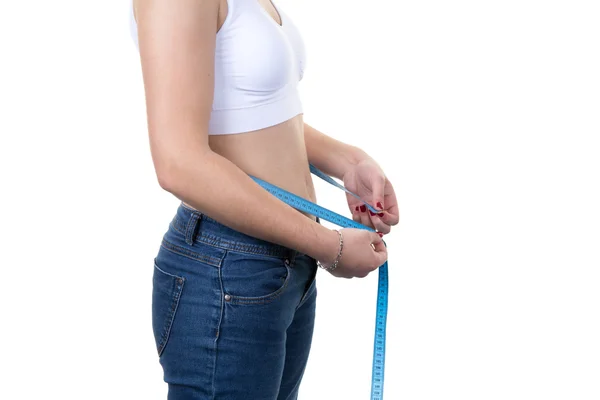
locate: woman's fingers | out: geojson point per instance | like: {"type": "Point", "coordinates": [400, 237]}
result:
{"type": "Point", "coordinates": [365, 220]}
{"type": "Point", "coordinates": [380, 250]}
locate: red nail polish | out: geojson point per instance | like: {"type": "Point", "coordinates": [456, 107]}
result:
{"type": "Point", "coordinates": [379, 205]}
{"type": "Point", "coordinates": [371, 212]}
{"type": "Point", "coordinates": [380, 234]}
{"type": "Point", "coordinates": [356, 208]}
{"type": "Point", "coordinates": [380, 214]}
{"type": "Point", "coordinates": [363, 208]}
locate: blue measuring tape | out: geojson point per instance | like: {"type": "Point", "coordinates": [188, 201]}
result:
{"type": "Point", "coordinates": [304, 205]}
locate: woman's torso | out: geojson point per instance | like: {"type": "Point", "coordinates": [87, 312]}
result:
{"type": "Point", "coordinates": [276, 154]}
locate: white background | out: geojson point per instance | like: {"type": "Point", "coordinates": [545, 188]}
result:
{"type": "Point", "coordinates": [485, 115]}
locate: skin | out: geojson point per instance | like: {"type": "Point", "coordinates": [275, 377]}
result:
{"type": "Point", "coordinates": [177, 43]}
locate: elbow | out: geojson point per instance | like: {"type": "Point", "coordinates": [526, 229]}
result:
{"type": "Point", "coordinates": [167, 178]}
{"type": "Point", "coordinates": [165, 181]}
{"type": "Point", "coordinates": [171, 171]}
{"type": "Point", "coordinates": [168, 171]}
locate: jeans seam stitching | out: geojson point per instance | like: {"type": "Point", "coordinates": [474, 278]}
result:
{"type": "Point", "coordinates": [172, 313]}
{"type": "Point", "coordinates": [212, 261]}
{"type": "Point", "coordinates": [218, 333]}
{"type": "Point", "coordinates": [179, 281]}
{"type": "Point", "coordinates": [218, 242]}
{"type": "Point", "coordinates": [263, 299]}
{"type": "Point", "coordinates": [165, 272]}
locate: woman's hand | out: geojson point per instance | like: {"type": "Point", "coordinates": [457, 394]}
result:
{"type": "Point", "coordinates": [363, 253]}
{"type": "Point", "coordinates": [367, 180]}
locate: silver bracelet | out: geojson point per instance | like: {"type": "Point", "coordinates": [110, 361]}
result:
{"type": "Point", "coordinates": [337, 259]}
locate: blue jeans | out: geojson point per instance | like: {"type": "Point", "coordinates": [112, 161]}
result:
{"type": "Point", "coordinates": [232, 315]}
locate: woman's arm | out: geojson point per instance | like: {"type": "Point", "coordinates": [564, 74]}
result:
{"type": "Point", "coordinates": [177, 46]}
{"type": "Point", "coordinates": [330, 155]}
{"type": "Point", "coordinates": [361, 175]}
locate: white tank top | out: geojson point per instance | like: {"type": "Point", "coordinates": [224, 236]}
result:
{"type": "Point", "coordinates": [258, 65]}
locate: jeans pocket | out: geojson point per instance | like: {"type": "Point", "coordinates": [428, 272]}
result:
{"type": "Point", "coordinates": [250, 278]}
{"type": "Point", "coordinates": [166, 291]}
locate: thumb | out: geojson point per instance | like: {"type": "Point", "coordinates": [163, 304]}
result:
{"type": "Point", "coordinates": [376, 241]}
{"type": "Point", "coordinates": [382, 256]}
{"type": "Point", "coordinates": [375, 238]}
{"type": "Point", "coordinates": [379, 248]}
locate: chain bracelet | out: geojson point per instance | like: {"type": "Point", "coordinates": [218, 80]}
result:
{"type": "Point", "coordinates": [337, 259]}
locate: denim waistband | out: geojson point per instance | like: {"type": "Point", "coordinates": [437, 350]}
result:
{"type": "Point", "coordinates": [198, 227]}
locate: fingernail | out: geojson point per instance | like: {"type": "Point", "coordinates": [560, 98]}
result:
{"type": "Point", "coordinates": [379, 205]}
{"type": "Point", "coordinates": [363, 208]}
{"type": "Point", "coordinates": [380, 214]}
{"type": "Point", "coordinates": [356, 208]}
{"type": "Point", "coordinates": [380, 234]}
{"type": "Point", "coordinates": [371, 212]}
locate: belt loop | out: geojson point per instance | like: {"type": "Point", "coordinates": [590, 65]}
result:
{"type": "Point", "coordinates": [192, 227]}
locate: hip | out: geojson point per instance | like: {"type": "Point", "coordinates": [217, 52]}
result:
{"type": "Point", "coordinates": [205, 270]}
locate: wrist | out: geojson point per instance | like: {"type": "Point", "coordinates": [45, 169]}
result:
{"type": "Point", "coordinates": [329, 245]}
{"type": "Point", "coordinates": [349, 158]}
{"type": "Point", "coordinates": [330, 266]}
{"type": "Point", "coordinates": [353, 156]}
{"type": "Point", "coordinates": [356, 155]}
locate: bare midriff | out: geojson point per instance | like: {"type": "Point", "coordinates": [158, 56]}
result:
{"type": "Point", "coordinates": [276, 154]}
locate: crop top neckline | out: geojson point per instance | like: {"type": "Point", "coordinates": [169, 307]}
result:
{"type": "Point", "coordinates": [276, 10]}
{"type": "Point", "coordinates": [258, 65]}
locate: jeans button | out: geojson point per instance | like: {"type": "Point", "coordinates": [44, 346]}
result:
{"type": "Point", "coordinates": [227, 297]}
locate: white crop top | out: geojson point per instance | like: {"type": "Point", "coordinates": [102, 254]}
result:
{"type": "Point", "coordinates": [258, 65]}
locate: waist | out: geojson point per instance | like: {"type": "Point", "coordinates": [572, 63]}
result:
{"type": "Point", "coordinates": [276, 154]}
{"type": "Point", "coordinates": [198, 227]}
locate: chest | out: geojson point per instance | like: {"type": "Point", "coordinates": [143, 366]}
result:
{"type": "Point", "coordinates": [259, 47]}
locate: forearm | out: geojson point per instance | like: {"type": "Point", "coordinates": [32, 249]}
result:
{"type": "Point", "coordinates": [330, 155]}
{"type": "Point", "coordinates": [216, 186]}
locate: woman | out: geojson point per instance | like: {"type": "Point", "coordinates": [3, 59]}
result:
{"type": "Point", "coordinates": [234, 284]}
